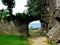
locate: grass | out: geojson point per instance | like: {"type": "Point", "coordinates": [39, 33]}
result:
{"type": "Point", "coordinates": [33, 31]}
{"type": "Point", "coordinates": [37, 31]}
{"type": "Point", "coordinates": [51, 43]}
{"type": "Point", "coordinates": [13, 40]}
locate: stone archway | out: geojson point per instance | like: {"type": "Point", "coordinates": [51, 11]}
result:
{"type": "Point", "coordinates": [34, 28]}
{"type": "Point", "coordinates": [24, 26]}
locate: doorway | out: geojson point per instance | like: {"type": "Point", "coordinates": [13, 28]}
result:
{"type": "Point", "coordinates": [34, 28]}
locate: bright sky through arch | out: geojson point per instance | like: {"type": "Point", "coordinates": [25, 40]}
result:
{"type": "Point", "coordinates": [35, 24]}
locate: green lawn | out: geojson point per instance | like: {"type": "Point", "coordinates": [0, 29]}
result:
{"type": "Point", "coordinates": [13, 40]}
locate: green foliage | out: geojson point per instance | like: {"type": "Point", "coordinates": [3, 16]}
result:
{"type": "Point", "coordinates": [51, 43]}
{"type": "Point", "coordinates": [31, 32]}
{"type": "Point", "coordinates": [13, 40]}
{"type": "Point", "coordinates": [9, 3]}
{"type": "Point", "coordinates": [22, 15]}
{"type": "Point", "coordinates": [3, 13]}
{"type": "Point", "coordinates": [36, 7]}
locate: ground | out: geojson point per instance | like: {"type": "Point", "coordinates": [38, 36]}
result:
{"type": "Point", "coordinates": [38, 41]}
{"type": "Point", "coordinates": [36, 38]}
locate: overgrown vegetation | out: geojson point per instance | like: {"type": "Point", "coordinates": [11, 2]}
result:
{"type": "Point", "coordinates": [31, 32]}
{"type": "Point", "coordinates": [51, 43]}
{"type": "Point", "coordinates": [13, 40]}
{"type": "Point", "coordinates": [10, 4]}
{"type": "Point", "coordinates": [36, 7]}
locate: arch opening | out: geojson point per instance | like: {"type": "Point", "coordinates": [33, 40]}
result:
{"type": "Point", "coordinates": [34, 28]}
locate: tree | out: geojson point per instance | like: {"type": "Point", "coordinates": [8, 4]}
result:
{"type": "Point", "coordinates": [36, 7]}
{"type": "Point", "coordinates": [10, 4]}
{"type": "Point", "coordinates": [23, 20]}
{"type": "Point", "coordinates": [3, 13]}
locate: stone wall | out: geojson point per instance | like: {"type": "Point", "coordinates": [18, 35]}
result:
{"type": "Point", "coordinates": [14, 28]}
{"type": "Point", "coordinates": [54, 33]}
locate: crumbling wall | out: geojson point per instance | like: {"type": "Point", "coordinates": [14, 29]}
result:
{"type": "Point", "coordinates": [54, 33]}
{"type": "Point", "coordinates": [12, 27]}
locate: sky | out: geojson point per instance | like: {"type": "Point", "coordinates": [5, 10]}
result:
{"type": "Point", "coordinates": [20, 7]}
{"type": "Point", "coordinates": [2, 6]}
{"type": "Point", "coordinates": [35, 24]}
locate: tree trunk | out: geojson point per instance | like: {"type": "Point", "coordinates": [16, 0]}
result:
{"type": "Point", "coordinates": [27, 31]}
{"type": "Point", "coordinates": [10, 12]}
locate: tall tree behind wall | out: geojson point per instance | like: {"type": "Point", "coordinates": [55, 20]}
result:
{"type": "Point", "coordinates": [10, 4]}
{"type": "Point", "coordinates": [36, 7]}
{"type": "Point", "coordinates": [3, 14]}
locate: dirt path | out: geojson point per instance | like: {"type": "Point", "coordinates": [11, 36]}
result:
{"type": "Point", "coordinates": [38, 41]}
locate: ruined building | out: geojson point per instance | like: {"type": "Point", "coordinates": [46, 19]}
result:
{"type": "Point", "coordinates": [54, 33]}
{"type": "Point", "coordinates": [50, 21]}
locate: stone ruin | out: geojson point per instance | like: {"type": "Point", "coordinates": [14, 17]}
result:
{"type": "Point", "coordinates": [50, 22]}
{"type": "Point", "coordinates": [54, 33]}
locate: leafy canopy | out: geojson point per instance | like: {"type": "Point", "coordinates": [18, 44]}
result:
{"type": "Point", "coordinates": [36, 7]}
{"type": "Point", "coordinates": [3, 13]}
{"type": "Point", "coordinates": [9, 3]}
